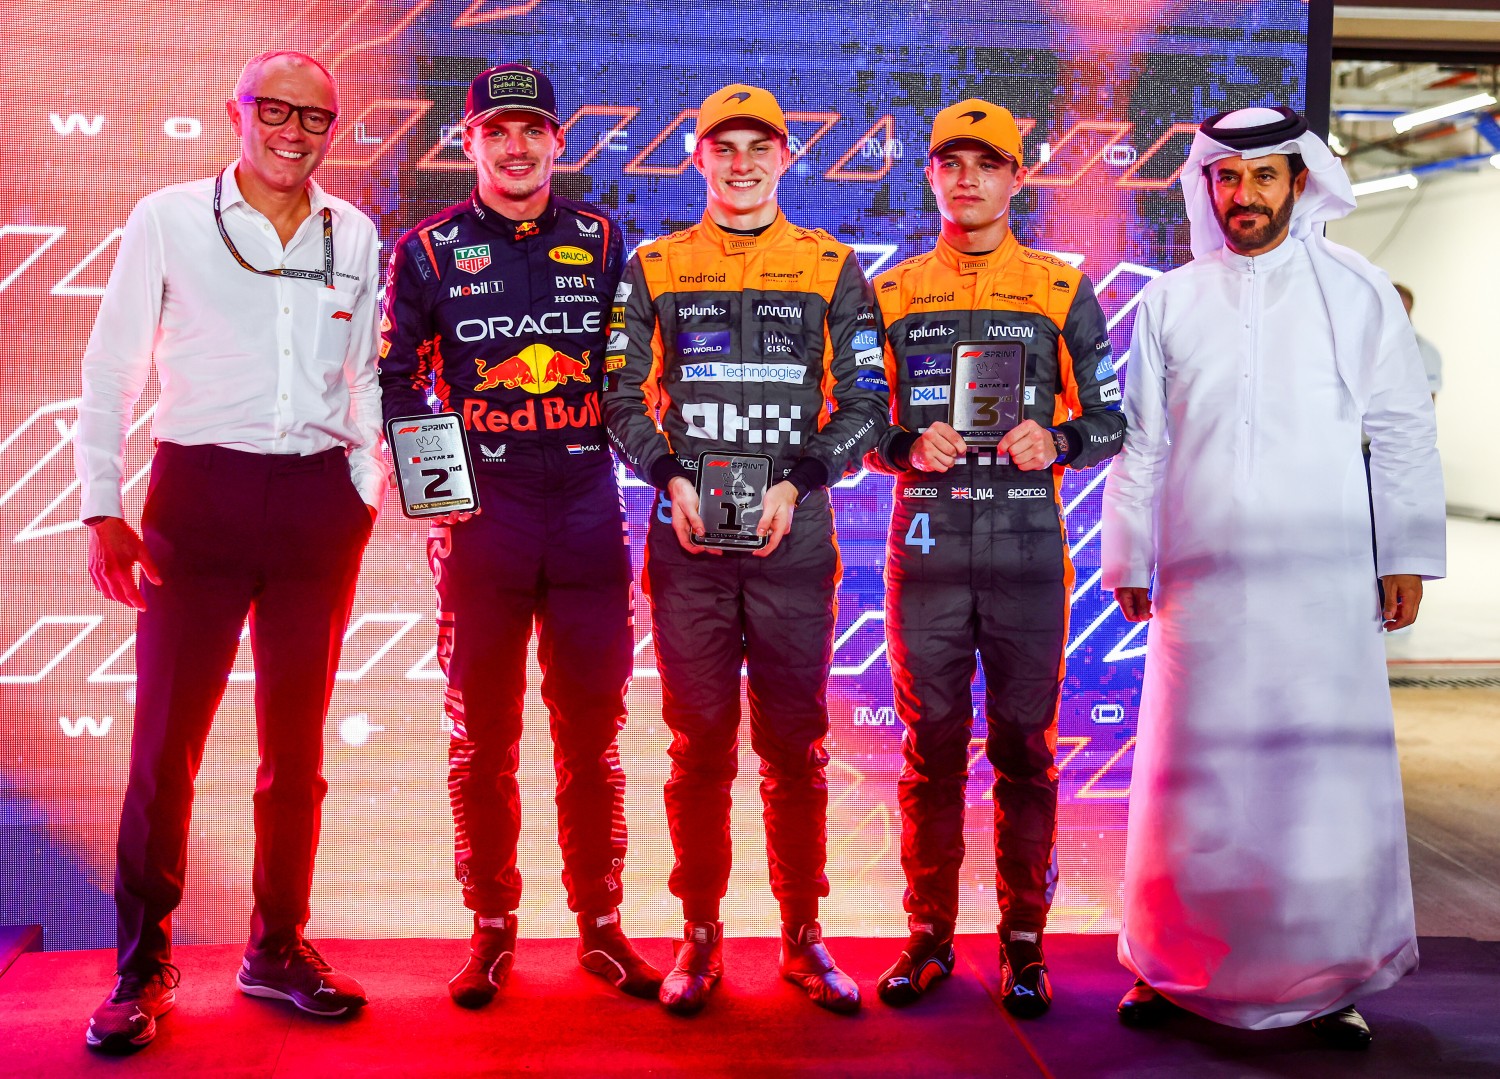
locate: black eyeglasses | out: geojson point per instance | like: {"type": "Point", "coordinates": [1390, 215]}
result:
{"type": "Point", "coordinates": [274, 112]}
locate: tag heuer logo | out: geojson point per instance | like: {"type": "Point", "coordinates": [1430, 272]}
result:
{"type": "Point", "coordinates": [471, 259]}
{"type": "Point", "coordinates": [512, 84]}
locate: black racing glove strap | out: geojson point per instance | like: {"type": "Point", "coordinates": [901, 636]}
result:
{"type": "Point", "coordinates": [666, 469]}
{"type": "Point", "coordinates": [807, 475]}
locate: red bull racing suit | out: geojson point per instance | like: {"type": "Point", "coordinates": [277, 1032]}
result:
{"type": "Point", "coordinates": [977, 560]}
{"type": "Point", "coordinates": [762, 343]}
{"type": "Point", "coordinates": [504, 322]}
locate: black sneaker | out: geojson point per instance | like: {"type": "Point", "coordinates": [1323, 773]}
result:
{"type": "Point", "coordinates": [127, 1018]}
{"type": "Point", "coordinates": [603, 949]}
{"type": "Point", "coordinates": [927, 959]}
{"type": "Point", "coordinates": [699, 966]}
{"type": "Point", "coordinates": [1025, 989]}
{"type": "Point", "coordinates": [299, 974]}
{"type": "Point", "coordinates": [805, 961]}
{"type": "Point", "coordinates": [492, 952]}
{"type": "Point", "coordinates": [1343, 1029]}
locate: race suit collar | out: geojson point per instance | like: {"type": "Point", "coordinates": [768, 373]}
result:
{"type": "Point", "coordinates": [735, 243]}
{"type": "Point", "coordinates": [963, 263]}
{"type": "Point", "coordinates": [508, 227]}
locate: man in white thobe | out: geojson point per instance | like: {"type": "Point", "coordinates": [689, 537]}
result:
{"type": "Point", "coordinates": [1266, 877]}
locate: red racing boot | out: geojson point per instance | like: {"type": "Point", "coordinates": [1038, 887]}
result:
{"type": "Point", "coordinates": [699, 966]}
{"type": "Point", "coordinates": [805, 961]}
{"type": "Point", "coordinates": [603, 949]}
{"type": "Point", "coordinates": [492, 952]}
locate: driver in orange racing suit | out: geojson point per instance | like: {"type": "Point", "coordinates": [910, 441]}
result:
{"type": "Point", "coordinates": [977, 552]}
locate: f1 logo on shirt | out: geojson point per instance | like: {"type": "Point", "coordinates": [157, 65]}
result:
{"type": "Point", "coordinates": [759, 425]}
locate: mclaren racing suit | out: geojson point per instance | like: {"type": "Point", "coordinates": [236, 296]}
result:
{"type": "Point", "coordinates": [977, 559]}
{"type": "Point", "coordinates": [504, 322]}
{"type": "Point", "coordinates": [752, 343]}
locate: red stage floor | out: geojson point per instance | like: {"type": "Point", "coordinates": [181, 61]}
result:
{"type": "Point", "coordinates": [557, 1020]}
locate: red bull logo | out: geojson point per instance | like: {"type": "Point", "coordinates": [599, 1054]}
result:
{"type": "Point", "coordinates": [555, 414]}
{"type": "Point", "coordinates": [512, 373]}
{"type": "Point", "coordinates": [536, 369]}
{"type": "Point", "coordinates": [565, 368]}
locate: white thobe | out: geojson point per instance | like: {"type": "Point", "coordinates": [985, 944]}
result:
{"type": "Point", "coordinates": [1266, 876]}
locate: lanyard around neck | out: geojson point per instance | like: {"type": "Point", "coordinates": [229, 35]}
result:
{"type": "Point", "coordinates": [325, 275]}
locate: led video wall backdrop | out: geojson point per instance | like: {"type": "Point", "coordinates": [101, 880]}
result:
{"type": "Point", "coordinates": [105, 102]}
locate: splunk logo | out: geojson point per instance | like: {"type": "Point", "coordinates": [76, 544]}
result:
{"type": "Point", "coordinates": [702, 310]}
{"type": "Point", "coordinates": [931, 331]}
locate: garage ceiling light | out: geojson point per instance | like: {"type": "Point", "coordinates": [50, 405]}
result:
{"type": "Point", "coordinates": [1385, 183]}
{"type": "Point", "coordinates": [1438, 112]}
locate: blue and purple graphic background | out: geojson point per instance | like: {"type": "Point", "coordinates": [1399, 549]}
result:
{"type": "Point", "coordinates": [107, 102]}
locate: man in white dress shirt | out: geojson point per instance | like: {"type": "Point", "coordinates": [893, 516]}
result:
{"type": "Point", "coordinates": [254, 293]}
{"type": "Point", "coordinates": [1266, 877]}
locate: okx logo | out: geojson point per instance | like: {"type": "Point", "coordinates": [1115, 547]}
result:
{"type": "Point", "coordinates": [760, 424]}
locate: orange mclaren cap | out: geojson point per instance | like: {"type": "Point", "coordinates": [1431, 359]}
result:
{"type": "Point", "coordinates": [740, 102]}
{"type": "Point", "coordinates": [978, 120]}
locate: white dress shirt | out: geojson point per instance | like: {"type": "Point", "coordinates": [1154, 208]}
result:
{"type": "Point", "coordinates": [250, 362]}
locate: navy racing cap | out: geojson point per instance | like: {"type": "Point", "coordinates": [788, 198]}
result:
{"type": "Point", "coordinates": [507, 88]}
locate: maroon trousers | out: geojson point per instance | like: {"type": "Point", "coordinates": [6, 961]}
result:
{"type": "Point", "coordinates": [278, 538]}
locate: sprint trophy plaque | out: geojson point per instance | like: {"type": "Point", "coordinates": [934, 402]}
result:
{"type": "Point", "coordinates": [987, 391]}
{"type": "Point", "coordinates": [731, 495]}
{"type": "Point", "coordinates": [433, 470]}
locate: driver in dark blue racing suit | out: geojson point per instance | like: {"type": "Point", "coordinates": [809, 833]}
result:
{"type": "Point", "coordinates": [497, 309]}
